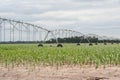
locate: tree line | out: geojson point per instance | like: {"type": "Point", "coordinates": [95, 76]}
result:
{"type": "Point", "coordinates": [81, 40]}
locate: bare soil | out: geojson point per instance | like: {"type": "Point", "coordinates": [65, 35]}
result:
{"type": "Point", "coordinates": [60, 73]}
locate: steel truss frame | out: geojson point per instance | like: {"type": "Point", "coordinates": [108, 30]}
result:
{"type": "Point", "coordinates": [10, 29]}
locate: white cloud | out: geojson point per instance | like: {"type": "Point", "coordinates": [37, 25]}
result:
{"type": "Point", "coordinates": [98, 16]}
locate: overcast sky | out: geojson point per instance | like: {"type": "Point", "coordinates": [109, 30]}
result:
{"type": "Point", "coordinates": [87, 16]}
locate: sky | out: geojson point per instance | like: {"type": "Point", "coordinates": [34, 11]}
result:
{"type": "Point", "coordinates": [101, 17]}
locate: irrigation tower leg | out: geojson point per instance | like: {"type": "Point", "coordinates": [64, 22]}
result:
{"type": "Point", "coordinates": [0, 31]}
{"type": "Point", "coordinates": [4, 31]}
{"type": "Point", "coordinates": [80, 40]}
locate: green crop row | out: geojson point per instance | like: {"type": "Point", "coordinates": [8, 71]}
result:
{"type": "Point", "coordinates": [70, 54]}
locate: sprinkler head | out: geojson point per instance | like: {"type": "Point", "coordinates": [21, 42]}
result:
{"type": "Point", "coordinates": [90, 44]}
{"type": "Point", "coordinates": [40, 45]}
{"type": "Point", "coordinates": [78, 44]}
{"type": "Point", "coordinates": [105, 43]}
{"type": "Point", "coordinates": [59, 45]}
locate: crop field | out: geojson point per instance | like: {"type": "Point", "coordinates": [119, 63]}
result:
{"type": "Point", "coordinates": [70, 54]}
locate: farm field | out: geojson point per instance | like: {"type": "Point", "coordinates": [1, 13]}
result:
{"type": "Point", "coordinates": [70, 54]}
{"type": "Point", "coordinates": [30, 62]}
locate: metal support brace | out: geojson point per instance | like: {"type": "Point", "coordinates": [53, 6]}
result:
{"type": "Point", "coordinates": [14, 26]}
{"type": "Point", "coordinates": [0, 31]}
{"type": "Point", "coordinates": [55, 38]}
{"type": "Point", "coordinates": [4, 31]}
{"type": "Point", "coordinates": [46, 36]}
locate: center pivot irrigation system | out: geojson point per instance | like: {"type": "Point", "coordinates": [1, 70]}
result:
{"type": "Point", "coordinates": [13, 31]}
